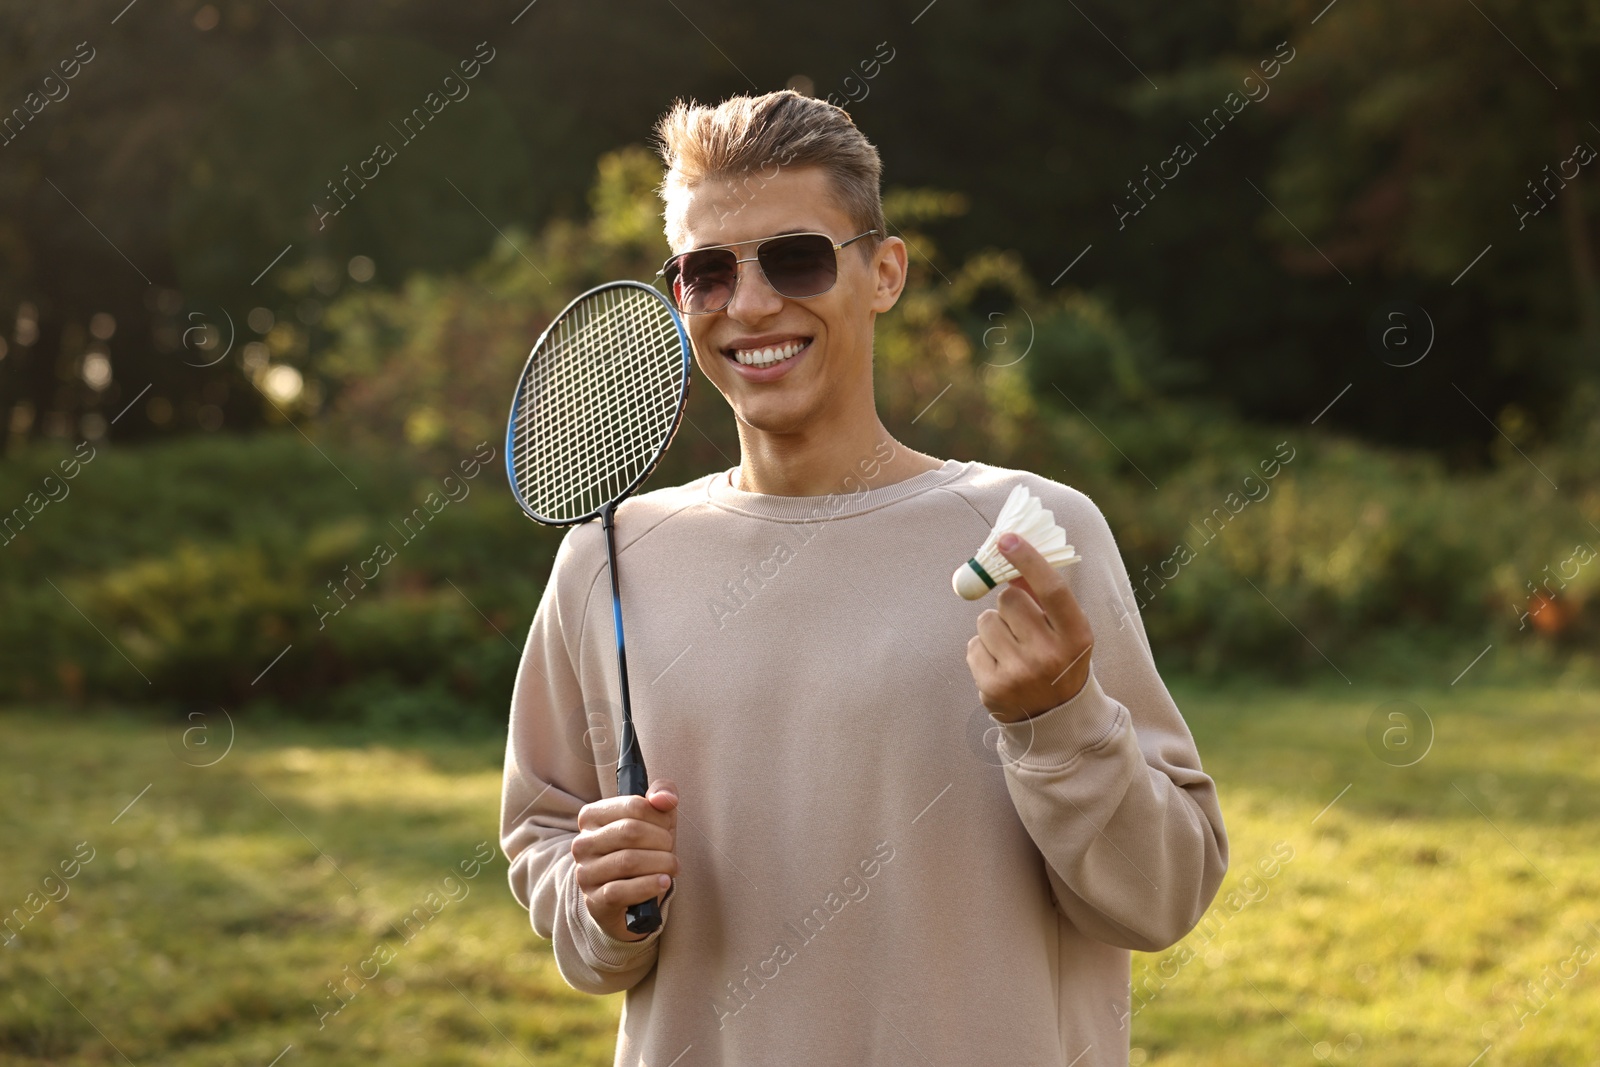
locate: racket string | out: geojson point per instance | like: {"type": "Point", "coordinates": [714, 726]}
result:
{"type": "Point", "coordinates": [598, 404]}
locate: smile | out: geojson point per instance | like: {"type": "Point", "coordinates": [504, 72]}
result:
{"type": "Point", "coordinates": [766, 357]}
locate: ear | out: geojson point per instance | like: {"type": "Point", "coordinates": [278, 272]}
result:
{"type": "Point", "coordinates": [889, 272]}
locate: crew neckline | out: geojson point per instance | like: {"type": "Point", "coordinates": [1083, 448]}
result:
{"type": "Point", "coordinates": [720, 492]}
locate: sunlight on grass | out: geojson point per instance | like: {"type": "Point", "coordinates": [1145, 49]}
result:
{"type": "Point", "coordinates": [221, 914]}
{"type": "Point", "coordinates": [1372, 914]}
{"type": "Point", "coordinates": [1413, 909]}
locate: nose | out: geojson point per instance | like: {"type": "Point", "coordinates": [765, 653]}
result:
{"type": "Point", "coordinates": [753, 297]}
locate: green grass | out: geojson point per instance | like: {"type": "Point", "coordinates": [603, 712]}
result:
{"type": "Point", "coordinates": [218, 906]}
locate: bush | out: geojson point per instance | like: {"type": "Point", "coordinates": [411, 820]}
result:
{"type": "Point", "coordinates": [234, 570]}
{"type": "Point", "coordinates": [1373, 559]}
{"type": "Point", "coordinates": [246, 548]}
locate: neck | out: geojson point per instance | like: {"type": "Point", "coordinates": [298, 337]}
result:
{"type": "Point", "coordinates": [818, 463]}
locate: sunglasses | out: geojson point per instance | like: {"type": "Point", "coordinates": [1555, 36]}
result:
{"type": "Point", "coordinates": [796, 265]}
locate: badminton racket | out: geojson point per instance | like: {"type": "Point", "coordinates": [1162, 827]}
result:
{"type": "Point", "coordinates": [599, 400]}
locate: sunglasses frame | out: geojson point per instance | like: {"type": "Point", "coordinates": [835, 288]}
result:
{"type": "Point", "coordinates": [763, 242]}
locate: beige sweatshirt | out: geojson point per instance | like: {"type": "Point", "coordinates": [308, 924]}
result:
{"type": "Point", "coordinates": [874, 871]}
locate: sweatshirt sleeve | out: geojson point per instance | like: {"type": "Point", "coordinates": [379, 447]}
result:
{"type": "Point", "coordinates": [1109, 784]}
{"type": "Point", "coordinates": [550, 772]}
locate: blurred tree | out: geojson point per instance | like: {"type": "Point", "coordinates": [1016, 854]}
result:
{"type": "Point", "coordinates": [432, 363]}
{"type": "Point", "coordinates": [193, 145]}
{"type": "Point", "coordinates": [1418, 139]}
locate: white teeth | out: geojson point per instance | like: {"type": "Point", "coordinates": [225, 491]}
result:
{"type": "Point", "coordinates": [762, 357]}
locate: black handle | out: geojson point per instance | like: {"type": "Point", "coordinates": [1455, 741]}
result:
{"type": "Point", "coordinates": [632, 780]}
{"type": "Point", "coordinates": [645, 917]}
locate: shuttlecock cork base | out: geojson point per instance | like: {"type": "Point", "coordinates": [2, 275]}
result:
{"type": "Point", "coordinates": [1025, 516]}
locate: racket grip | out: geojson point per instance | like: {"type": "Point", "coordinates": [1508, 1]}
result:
{"type": "Point", "coordinates": [644, 917]}
{"type": "Point", "coordinates": [632, 780]}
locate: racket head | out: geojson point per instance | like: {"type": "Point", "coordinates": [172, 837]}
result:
{"type": "Point", "coordinates": [600, 398]}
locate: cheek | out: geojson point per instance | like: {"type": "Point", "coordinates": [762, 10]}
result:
{"type": "Point", "coordinates": [704, 352]}
{"type": "Point", "coordinates": [843, 324]}
{"type": "Point", "coordinates": [710, 362]}
{"type": "Point", "coordinates": [703, 361]}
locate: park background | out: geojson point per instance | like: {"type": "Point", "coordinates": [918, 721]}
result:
{"type": "Point", "coordinates": [223, 382]}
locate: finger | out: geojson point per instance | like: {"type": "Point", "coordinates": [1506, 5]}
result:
{"type": "Point", "coordinates": [636, 833]}
{"type": "Point", "coordinates": [625, 834]}
{"type": "Point", "coordinates": [624, 865]}
{"type": "Point", "coordinates": [595, 814]}
{"type": "Point", "coordinates": [663, 794]}
{"type": "Point", "coordinates": [1021, 583]}
{"type": "Point", "coordinates": [628, 891]}
{"type": "Point", "coordinates": [593, 847]}
{"type": "Point", "coordinates": [1024, 616]}
{"type": "Point", "coordinates": [997, 635]}
{"type": "Point", "coordinates": [979, 658]}
{"type": "Point", "coordinates": [614, 809]}
{"type": "Point", "coordinates": [645, 810]}
{"type": "Point", "coordinates": [985, 669]}
{"type": "Point", "coordinates": [1045, 584]}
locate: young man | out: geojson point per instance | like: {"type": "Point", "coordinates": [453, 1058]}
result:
{"type": "Point", "coordinates": [849, 874]}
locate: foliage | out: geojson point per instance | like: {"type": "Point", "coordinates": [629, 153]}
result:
{"type": "Point", "coordinates": [432, 362]}
{"type": "Point", "coordinates": [248, 549]}
{"type": "Point", "coordinates": [245, 550]}
{"type": "Point", "coordinates": [242, 569]}
{"type": "Point", "coordinates": [175, 186]}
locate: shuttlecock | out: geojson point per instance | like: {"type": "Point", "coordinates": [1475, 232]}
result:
{"type": "Point", "coordinates": [1026, 517]}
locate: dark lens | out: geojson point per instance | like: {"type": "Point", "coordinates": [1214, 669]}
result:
{"type": "Point", "coordinates": [799, 266]}
{"type": "Point", "coordinates": [703, 281]}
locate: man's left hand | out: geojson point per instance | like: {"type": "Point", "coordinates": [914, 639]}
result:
{"type": "Point", "coordinates": [1032, 650]}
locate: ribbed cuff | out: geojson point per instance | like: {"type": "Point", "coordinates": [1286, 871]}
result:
{"type": "Point", "coordinates": [1058, 735]}
{"type": "Point", "coordinates": [604, 952]}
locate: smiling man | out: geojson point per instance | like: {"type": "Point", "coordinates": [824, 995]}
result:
{"type": "Point", "coordinates": [890, 826]}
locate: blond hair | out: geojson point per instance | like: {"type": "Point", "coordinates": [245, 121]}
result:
{"type": "Point", "coordinates": [749, 139]}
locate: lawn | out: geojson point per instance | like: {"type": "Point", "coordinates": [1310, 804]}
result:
{"type": "Point", "coordinates": [1374, 913]}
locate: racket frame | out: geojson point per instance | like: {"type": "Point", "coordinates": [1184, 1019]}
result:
{"type": "Point", "coordinates": [527, 369]}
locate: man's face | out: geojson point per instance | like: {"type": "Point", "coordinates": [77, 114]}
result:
{"type": "Point", "coordinates": [830, 373]}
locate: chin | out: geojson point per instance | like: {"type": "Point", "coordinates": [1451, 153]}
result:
{"type": "Point", "coordinates": [775, 418]}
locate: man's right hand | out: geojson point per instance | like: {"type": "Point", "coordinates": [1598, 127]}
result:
{"type": "Point", "coordinates": [626, 853]}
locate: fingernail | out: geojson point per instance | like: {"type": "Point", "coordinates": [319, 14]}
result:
{"type": "Point", "coordinates": [663, 881]}
{"type": "Point", "coordinates": [1009, 541]}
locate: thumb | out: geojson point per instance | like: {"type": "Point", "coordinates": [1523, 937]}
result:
{"type": "Point", "coordinates": [663, 794]}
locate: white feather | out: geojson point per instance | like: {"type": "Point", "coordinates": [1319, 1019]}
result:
{"type": "Point", "coordinates": [1025, 516]}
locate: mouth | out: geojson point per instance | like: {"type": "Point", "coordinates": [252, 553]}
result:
{"type": "Point", "coordinates": [769, 355]}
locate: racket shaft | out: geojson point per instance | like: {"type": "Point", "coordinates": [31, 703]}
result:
{"type": "Point", "coordinates": [632, 778]}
